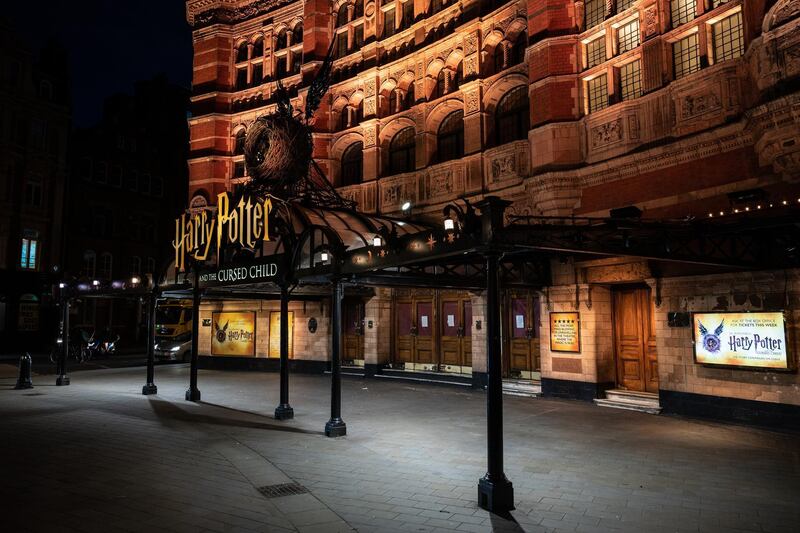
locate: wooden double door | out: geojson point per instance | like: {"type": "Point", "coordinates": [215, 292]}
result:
{"type": "Point", "coordinates": [353, 326]}
{"type": "Point", "coordinates": [635, 339]}
{"type": "Point", "coordinates": [433, 331]}
{"type": "Point", "coordinates": [522, 358]}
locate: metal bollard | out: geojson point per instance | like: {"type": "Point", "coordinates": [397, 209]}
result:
{"type": "Point", "coordinates": [24, 379]}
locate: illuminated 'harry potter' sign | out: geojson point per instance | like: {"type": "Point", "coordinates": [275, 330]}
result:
{"type": "Point", "coordinates": [245, 223]}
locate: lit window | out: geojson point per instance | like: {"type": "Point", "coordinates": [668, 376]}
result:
{"type": "Point", "coordinates": [595, 12]}
{"type": "Point", "coordinates": [686, 56]}
{"type": "Point", "coordinates": [29, 253]}
{"type": "Point", "coordinates": [630, 80]}
{"type": "Point", "coordinates": [728, 40]}
{"type": "Point", "coordinates": [628, 36]}
{"type": "Point", "coordinates": [682, 11]}
{"type": "Point", "coordinates": [595, 52]}
{"type": "Point", "coordinates": [597, 89]}
{"type": "Point", "coordinates": [622, 5]}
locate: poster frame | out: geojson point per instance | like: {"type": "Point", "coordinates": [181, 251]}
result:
{"type": "Point", "coordinates": [550, 330]}
{"type": "Point", "coordinates": [214, 315]}
{"type": "Point", "coordinates": [790, 360]}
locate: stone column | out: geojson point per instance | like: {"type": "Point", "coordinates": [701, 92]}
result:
{"type": "Point", "coordinates": [377, 331]}
{"type": "Point", "coordinates": [371, 152]}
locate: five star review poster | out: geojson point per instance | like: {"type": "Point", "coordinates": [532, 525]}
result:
{"type": "Point", "coordinates": [755, 340]}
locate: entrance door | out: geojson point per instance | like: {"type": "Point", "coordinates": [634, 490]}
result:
{"type": "Point", "coordinates": [353, 332]}
{"type": "Point", "coordinates": [456, 333]}
{"type": "Point", "coordinates": [523, 359]}
{"type": "Point", "coordinates": [414, 333]}
{"type": "Point", "coordinates": [634, 339]}
{"type": "Point", "coordinates": [275, 334]}
{"type": "Point", "coordinates": [423, 346]}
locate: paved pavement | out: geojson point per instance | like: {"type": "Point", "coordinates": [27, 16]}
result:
{"type": "Point", "coordinates": [99, 456]}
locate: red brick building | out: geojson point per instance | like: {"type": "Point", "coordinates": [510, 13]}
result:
{"type": "Point", "coordinates": [681, 108]}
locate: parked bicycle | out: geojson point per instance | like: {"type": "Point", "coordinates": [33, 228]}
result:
{"type": "Point", "coordinates": [78, 347]}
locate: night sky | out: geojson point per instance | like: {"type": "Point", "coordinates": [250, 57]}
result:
{"type": "Point", "coordinates": [111, 44]}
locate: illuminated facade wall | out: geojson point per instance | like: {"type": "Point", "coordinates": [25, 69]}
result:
{"type": "Point", "coordinates": [564, 107]}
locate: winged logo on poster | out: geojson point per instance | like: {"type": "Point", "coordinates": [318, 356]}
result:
{"type": "Point", "coordinates": [711, 341]}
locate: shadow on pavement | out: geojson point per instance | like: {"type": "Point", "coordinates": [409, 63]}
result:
{"type": "Point", "coordinates": [504, 522]}
{"type": "Point", "coordinates": [168, 411]}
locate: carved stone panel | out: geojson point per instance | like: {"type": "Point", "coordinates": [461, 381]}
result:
{"type": "Point", "coordinates": [606, 134]}
{"type": "Point", "coordinates": [693, 105]}
{"type": "Point", "coordinates": [650, 21]}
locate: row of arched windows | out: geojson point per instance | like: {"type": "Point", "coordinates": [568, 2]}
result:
{"type": "Point", "coordinates": [511, 123]}
{"type": "Point", "coordinates": [255, 49]}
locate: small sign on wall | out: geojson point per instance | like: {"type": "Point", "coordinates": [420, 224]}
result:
{"type": "Point", "coordinates": [747, 340]}
{"type": "Point", "coordinates": [234, 333]}
{"type": "Point", "coordinates": [565, 332]}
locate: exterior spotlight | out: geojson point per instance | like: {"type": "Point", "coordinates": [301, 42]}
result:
{"type": "Point", "coordinates": [95, 282]}
{"type": "Point", "coordinates": [721, 213]}
{"type": "Point", "coordinates": [323, 256]}
{"type": "Point", "coordinates": [747, 209]}
{"type": "Point", "coordinates": [62, 285]}
{"type": "Point", "coordinates": [376, 242]}
{"type": "Point", "coordinates": [449, 224]}
{"type": "Point", "coordinates": [758, 207]}
{"type": "Point", "coordinates": [406, 206]}
{"type": "Point", "coordinates": [785, 202]}
{"type": "Point", "coordinates": [135, 280]}
{"type": "Point", "coordinates": [710, 215]}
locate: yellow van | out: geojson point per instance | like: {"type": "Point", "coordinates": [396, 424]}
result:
{"type": "Point", "coordinates": [173, 330]}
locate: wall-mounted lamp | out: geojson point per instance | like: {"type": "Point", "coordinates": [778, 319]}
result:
{"type": "Point", "coordinates": [377, 242]}
{"type": "Point", "coordinates": [96, 283]}
{"type": "Point", "coordinates": [323, 256]}
{"type": "Point", "coordinates": [406, 206]}
{"type": "Point", "coordinates": [449, 225]}
{"type": "Point", "coordinates": [135, 280]}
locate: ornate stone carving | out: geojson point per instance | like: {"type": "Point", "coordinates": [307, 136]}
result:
{"type": "Point", "coordinates": [470, 44]}
{"type": "Point", "coordinates": [633, 127]}
{"type": "Point", "coordinates": [439, 183]}
{"type": "Point", "coordinates": [369, 106]}
{"type": "Point", "coordinates": [503, 166]}
{"type": "Point", "coordinates": [228, 15]}
{"type": "Point", "coordinates": [369, 136]}
{"type": "Point", "coordinates": [693, 105]}
{"type": "Point", "coordinates": [369, 87]}
{"type": "Point", "coordinates": [579, 18]}
{"type": "Point", "coordinates": [651, 21]}
{"type": "Point", "coordinates": [472, 102]}
{"type": "Point", "coordinates": [607, 133]}
{"type": "Point", "coordinates": [471, 65]}
{"type": "Point", "coordinates": [791, 60]}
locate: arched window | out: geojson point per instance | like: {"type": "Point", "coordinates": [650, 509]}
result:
{"type": "Point", "coordinates": [402, 157]}
{"type": "Point", "coordinates": [89, 262]}
{"type": "Point", "coordinates": [450, 138]}
{"type": "Point", "coordinates": [512, 117]}
{"type": "Point", "coordinates": [353, 164]}
{"type": "Point", "coordinates": [297, 33]}
{"type": "Point", "coordinates": [106, 263]}
{"type": "Point", "coordinates": [344, 118]}
{"type": "Point", "coordinates": [238, 148]}
{"type": "Point", "coordinates": [457, 78]}
{"type": "Point", "coordinates": [499, 57]}
{"type": "Point", "coordinates": [409, 99]}
{"type": "Point", "coordinates": [441, 85]}
{"type": "Point", "coordinates": [359, 9]}
{"type": "Point", "coordinates": [241, 53]}
{"type": "Point", "coordinates": [258, 48]}
{"type": "Point", "coordinates": [280, 42]}
{"type": "Point", "coordinates": [341, 15]}
{"type": "Point", "coordinates": [395, 101]}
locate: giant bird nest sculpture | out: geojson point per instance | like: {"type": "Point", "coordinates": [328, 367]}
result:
{"type": "Point", "coordinates": [278, 150]}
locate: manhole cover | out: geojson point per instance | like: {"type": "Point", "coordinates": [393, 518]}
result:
{"type": "Point", "coordinates": [283, 489]}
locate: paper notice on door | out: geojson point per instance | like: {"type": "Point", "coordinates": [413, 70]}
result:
{"type": "Point", "coordinates": [424, 321]}
{"type": "Point", "coordinates": [520, 321]}
{"type": "Point", "coordinates": [451, 321]}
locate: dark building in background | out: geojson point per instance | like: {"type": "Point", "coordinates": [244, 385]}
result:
{"type": "Point", "coordinates": [34, 128]}
{"type": "Point", "coordinates": [128, 180]}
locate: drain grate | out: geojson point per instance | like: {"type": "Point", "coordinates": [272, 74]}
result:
{"type": "Point", "coordinates": [283, 489]}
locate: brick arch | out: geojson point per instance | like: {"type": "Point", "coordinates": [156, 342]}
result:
{"type": "Point", "coordinates": [455, 57]}
{"type": "Point", "coordinates": [256, 36]}
{"type": "Point", "coordinates": [495, 92]}
{"type": "Point", "coordinates": [438, 113]}
{"type": "Point", "coordinates": [356, 98]}
{"type": "Point", "coordinates": [434, 67]}
{"type": "Point", "coordinates": [406, 80]}
{"type": "Point", "coordinates": [338, 103]}
{"type": "Point", "coordinates": [389, 130]}
{"type": "Point", "coordinates": [515, 28]}
{"type": "Point", "coordinates": [343, 142]}
{"type": "Point", "coordinates": [387, 86]}
{"type": "Point", "coordinates": [493, 39]}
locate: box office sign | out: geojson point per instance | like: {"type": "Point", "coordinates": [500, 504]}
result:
{"type": "Point", "coordinates": [750, 340]}
{"type": "Point", "coordinates": [234, 333]}
{"type": "Point", "coordinates": [565, 332]}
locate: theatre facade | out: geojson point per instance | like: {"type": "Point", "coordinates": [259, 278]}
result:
{"type": "Point", "coordinates": [629, 120]}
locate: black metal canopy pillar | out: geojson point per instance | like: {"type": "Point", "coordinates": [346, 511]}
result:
{"type": "Point", "coordinates": [193, 394]}
{"type": "Point", "coordinates": [336, 426]}
{"type": "Point", "coordinates": [495, 491]}
{"type": "Point", "coordinates": [150, 387]}
{"type": "Point", "coordinates": [63, 378]}
{"type": "Point", "coordinates": [284, 411]}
